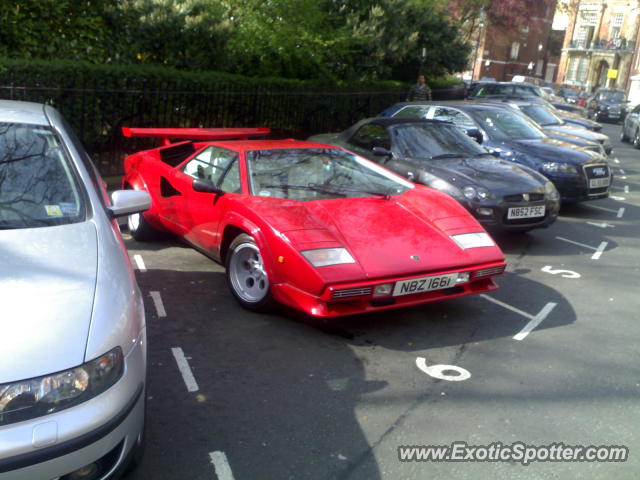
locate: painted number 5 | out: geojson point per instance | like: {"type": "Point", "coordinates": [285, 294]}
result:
{"type": "Point", "coordinates": [562, 273]}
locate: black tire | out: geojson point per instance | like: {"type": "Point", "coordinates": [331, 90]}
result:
{"type": "Point", "coordinates": [246, 276]}
{"type": "Point", "coordinates": [623, 137]}
{"type": "Point", "coordinates": [636, 139]}
{"type": "Point", "coordinates": [140, 229]}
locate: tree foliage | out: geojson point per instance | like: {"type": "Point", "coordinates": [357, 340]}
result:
{"type": "Point", "coordinates": [325, 39]}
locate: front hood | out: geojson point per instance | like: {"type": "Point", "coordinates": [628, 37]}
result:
{"type": "Point", "coordinates": [47, 288]}
{"type": "Point", "coordinates": [552, 150]}
{"type": "Point", "coordinates": [382, 234]}
{"type": "Point", "coordinates": [496, 175]}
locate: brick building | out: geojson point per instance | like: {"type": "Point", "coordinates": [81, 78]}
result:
{"type": "Point", "coordinates": [504, 52]}
{"type": "Point", "coordinates": [600, 44]}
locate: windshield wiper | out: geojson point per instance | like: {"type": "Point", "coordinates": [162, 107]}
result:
{"type": "Point", "coordinates": [446, 155]}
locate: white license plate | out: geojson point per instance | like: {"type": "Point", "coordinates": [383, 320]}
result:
{"type": "Point", "coordinates": [599, 182]}
{"type": "Point", "coordinates": [525, 212]}
{"type": "Point", "coordinates": [425, 284]}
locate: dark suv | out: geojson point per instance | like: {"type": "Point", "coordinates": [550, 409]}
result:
{"type": "Point", "coordinates": [607, 104]}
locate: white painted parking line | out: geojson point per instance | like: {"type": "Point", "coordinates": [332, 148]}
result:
{"type": "Point", "coordinates": [626, 189]}
{"type": "Point", "coordinates": [616, 160]}
{"type": "Point", "coordinates": [535, 321]}
{"type": "Point", "coordinates": [599, 251]}
{"type": "Point", "coordinates": [620, 199]}
{"type": "Point", "coordinates": [621, 212]}
{"type": "Point", "coordinates": [576, 243]}
{"type": "Point", "coordinates": [621, 171]}
{"type": "Point", "coordinates": [157, 301]}
{"type": "Point", "coordinates": [603, 208]}
{"type": "Point", "coordinates": [507, 306]}
{"type": "Point", "coordinates": [185, 370]}
{"type": "Point", "coordinates": [601, 225]}
{"type": "Point", "coordinates": [140, 263]}
{"type": "Point", "coordinates": [221, 465]}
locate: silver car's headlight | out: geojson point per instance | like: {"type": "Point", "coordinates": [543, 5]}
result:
{"type": "Point", "coordinates": [323, 257]}
{"type": "Point", "coordinates": [551, 191]}
{"type": "Point", "coordinates": [559, 167]}
{"type": "Point", "coordinates": [473, 240]}
{"type": "Point", "coordinates": [26, 399]}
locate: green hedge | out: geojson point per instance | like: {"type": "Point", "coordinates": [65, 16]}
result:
{"type": "Point", "coordinates": [99, 99]}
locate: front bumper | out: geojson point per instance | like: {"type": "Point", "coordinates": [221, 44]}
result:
{"type": "Point", "coordinates": [575, 187]}
{"type": "Point", "coordinates": [106, 427]}
{"type": "Point", "coordinates": [325, 306]}
{"type": "Point", "coordinates": [498, 219]}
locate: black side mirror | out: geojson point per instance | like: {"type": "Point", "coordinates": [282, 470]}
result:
{"type": "Point", "coordinates": [205, 186]}
{"type": "Point", "coordinates": [476, 134]}
{"type": "Point", "coordinates": [382, 152]}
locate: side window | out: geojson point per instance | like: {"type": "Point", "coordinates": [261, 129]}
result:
{"type": "Point", "coordinates": [458, 118]}
{"type": "Point", "coordinates": [519, 90]}
{"type": "Point", "coordinates": [370, 136]}
{"type": "Point", "coordinates": [230, 182]}
{"type": "Point", "coordinates": [636, 110]}
{"type": "Point", "coordinates": [214, 164]}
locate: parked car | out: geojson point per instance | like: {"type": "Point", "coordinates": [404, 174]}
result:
{"type": "Point", "coordinates": [631, 127]}
{"type": "Point", "coordinates": [555, 127]}
{"type": "Point", "coordinates": [73, 343]}
{"type": "Point", "coordinates": [310, 225]}
{"type": "Point", "coordinates": [569, 95]}
{"type": "Point", "coordinates": [505, 88]}
{"type": "Point", "coordinates": [607, 104]}
{"type": "Point", "coordinates": [578, 174]}
{"type": "Point", "coordinates": [440, 155]}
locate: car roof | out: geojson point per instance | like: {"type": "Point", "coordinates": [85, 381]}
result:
{"type": "Point", "coordinates": [388, 121]}
{"type": "Point", "coordinates": [22, 112]}
{"type": "Point", "coordinates": [466, 104]}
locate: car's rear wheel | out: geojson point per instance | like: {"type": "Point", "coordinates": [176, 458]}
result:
{"type": "Point", "coordinates": [246, 274]}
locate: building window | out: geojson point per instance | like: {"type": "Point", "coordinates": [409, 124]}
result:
{"type": "Point", "coordinates": [583, 66]}
{"type": "Point", "coordinates": [515, 50]}
{"type": "Point", "coordinates": [616, 26]}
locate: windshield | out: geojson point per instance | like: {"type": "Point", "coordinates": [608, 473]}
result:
{"type": "Point", "coordinates": [613, 97]}
{"type": "Point", "coordinates": [541, 115]}
{"type": "Point", "coordinates": [37, 187]}
{"type": "Point", "coordinates": [306, 174]}
{"type": "Point", "coordinates": [431, 141]}
{"type": "Point", "coordinates": [504, 125]}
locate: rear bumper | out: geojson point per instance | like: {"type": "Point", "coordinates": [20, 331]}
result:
{"type": "Point", "coordinates": [324, 306]}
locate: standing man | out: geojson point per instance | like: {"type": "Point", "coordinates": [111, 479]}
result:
{"type": "Point", "coordinates": [419, 91]}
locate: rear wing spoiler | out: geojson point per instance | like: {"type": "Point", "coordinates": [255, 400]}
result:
{"type": "Point", "coordinates": [166, 134]}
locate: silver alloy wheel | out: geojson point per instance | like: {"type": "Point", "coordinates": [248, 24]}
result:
{"type": "Point", "coordinates": [133, 222]}
{"type": "Point", "coordinates": [246, 273]}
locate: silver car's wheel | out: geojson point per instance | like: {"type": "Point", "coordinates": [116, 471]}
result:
{"type": "Point", "coordinates": [140, 229]}
{"type": "Point", "coordinates": [133, 222]}
{"type": "Point", "coordinates": [246, 274]}
{"type": "Point", "coordinates": [623, 136]}
{"type": "Point", "coordinates": [636, 139]}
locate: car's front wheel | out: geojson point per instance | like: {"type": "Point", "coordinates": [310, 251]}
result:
{"type": "Point", "coordinates": [636, 139]}
{"type": "Point", "coordinates": [246, 274]}
{"type": "Point", "coordinates": [140, 229]}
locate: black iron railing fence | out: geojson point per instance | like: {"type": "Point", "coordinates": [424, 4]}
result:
{"type": "Point", "coordinates": [98, 114]}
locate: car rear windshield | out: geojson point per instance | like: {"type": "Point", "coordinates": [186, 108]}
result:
{"type": "Point", "coordinates": [37, 184]}
{"type": "Point", "coordinates": [540, 115]}
{"type": "Point", "coordinates": [613, 97]}
{"type": "Point", "coordinates": [504, 125]}
{"type": "Point", "coordinates": [432, 141]}
{"type": "Point", "coordinates": [306, 174]}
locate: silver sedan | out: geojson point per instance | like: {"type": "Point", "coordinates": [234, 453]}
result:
{"type": "Point", "coordinates": [73, 338]}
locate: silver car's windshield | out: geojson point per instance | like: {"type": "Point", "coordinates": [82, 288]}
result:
{"type": "Point", "coordinates": [318, 174]}
{"type": "Point", "coordinates": [37, 184]}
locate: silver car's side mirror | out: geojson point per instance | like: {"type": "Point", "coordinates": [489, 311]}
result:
{"type": "Point", "coordinates": [127, 202]}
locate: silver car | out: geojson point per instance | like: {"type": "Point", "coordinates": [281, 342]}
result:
{"type": "Point", "coordinates": [72, 337]}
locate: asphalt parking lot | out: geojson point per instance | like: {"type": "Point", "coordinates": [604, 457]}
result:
{"type": "Point", "coordinates": [550, 357]}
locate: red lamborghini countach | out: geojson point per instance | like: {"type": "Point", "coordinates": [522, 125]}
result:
{"type": "Point", "coordinates": [308, 225]}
